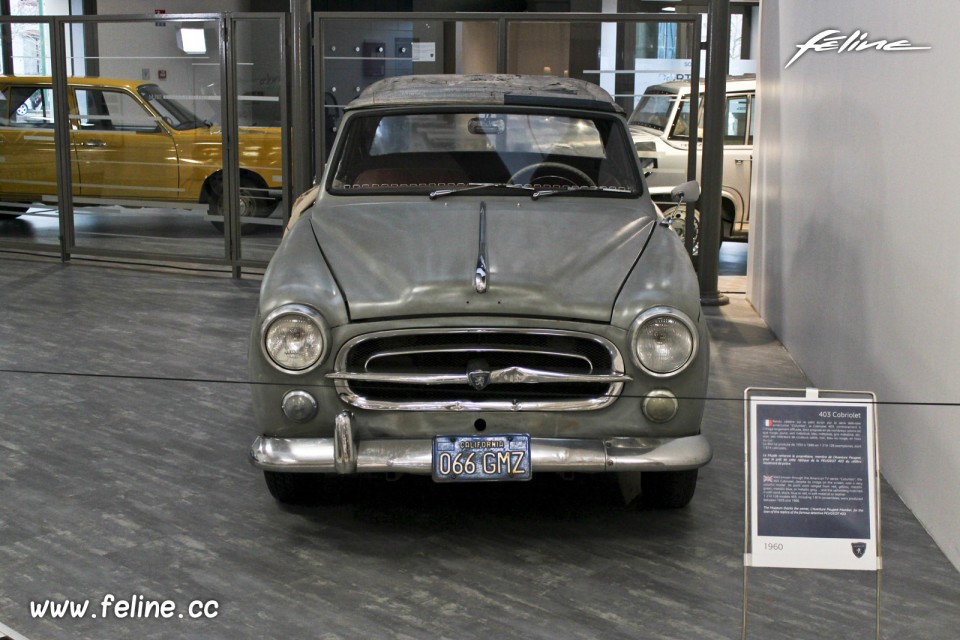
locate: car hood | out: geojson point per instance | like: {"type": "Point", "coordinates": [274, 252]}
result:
{"type": "Point", "coordinates": [562, 257]}
{"type": "Point", "coordinates": [639, 133]}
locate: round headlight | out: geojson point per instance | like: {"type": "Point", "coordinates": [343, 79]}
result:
{"type": "Point", "coordinates": [294, 338]}
{"type": "Point", "coordinates": [664, 341]}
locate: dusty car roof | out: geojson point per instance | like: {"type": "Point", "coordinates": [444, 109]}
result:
{"type": "Point", "coordinates": [485, 89]}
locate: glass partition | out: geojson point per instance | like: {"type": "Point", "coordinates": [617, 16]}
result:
{"type": "Point", "coordinates": [623, 53]}
{"type": "Point", "coordinates": [355, 53]}
{"type": "Point", "coordinates": [144, 102]}
{"type": "Point", "coordinates": [29, 215]}
{"type": "Point", "coordinates": [261, 87]}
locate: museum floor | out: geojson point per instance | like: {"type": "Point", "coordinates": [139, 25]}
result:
{"type": "Point", "coordinates": [126, 421]}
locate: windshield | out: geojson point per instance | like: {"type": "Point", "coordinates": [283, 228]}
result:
{"type": "Point", "coordinates": [173, 113]}
{"type": "Point", "coordinates": [654, 111]}
{"type": "Point", "coordinates": [418, 153]}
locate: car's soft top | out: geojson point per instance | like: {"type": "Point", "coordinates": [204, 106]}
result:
{"type": "Point", "coordinates": [485, 89]}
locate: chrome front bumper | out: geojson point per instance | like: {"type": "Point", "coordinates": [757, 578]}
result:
{"type": "Point", "coordinates": [341, 454]}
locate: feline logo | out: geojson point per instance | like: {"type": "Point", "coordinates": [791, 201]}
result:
{"type": "Point", "coordinates": [856, 41]}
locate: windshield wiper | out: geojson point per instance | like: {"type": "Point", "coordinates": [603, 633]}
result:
{"type": "Point", "coordinates": [536, 195]}
{"type": "Point", "coordinates": [439, 193]}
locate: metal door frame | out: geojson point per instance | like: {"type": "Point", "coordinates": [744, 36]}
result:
{"type": "Point", "coordinates": [227, 61]}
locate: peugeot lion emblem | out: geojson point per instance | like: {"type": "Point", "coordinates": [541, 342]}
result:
{"type": "Point", "coordinates": [478, 379]}
{"type": "Point", "coordinates": [859, 548]}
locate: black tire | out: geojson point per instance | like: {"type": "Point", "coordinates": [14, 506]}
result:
{"type": "Point", "coordinates": [668, 489]}
{"type": "Point", "coordinates": [295, 488]}
{"type": "Point", "coordinates": [254, 200]}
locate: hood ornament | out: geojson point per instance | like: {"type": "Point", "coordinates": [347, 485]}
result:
{"type": "Point", "coordinates": [480, 275]}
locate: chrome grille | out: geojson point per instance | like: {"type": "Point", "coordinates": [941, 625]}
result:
{"type": "Point", "coordinates": [479, 369]}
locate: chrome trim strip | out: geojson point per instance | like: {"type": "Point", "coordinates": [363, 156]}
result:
{"type": "Point", "coordinates": [341, 377]}
{"type": "Point", "coordinates": [509, 375]}
{"type": "Point", "coordinates": [392, 353]}
{"type": "Point", "coordinates": [480, 275]}
{"type": "Point", "coordinates": [415, 456]}
{"type": "Point", "coordinates": [428, 379]}
{"type": "Point", "coordinates": [471, 405]}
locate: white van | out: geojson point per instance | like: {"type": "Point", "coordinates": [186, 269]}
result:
{"type": "Point", "coordinates": [660, 129]}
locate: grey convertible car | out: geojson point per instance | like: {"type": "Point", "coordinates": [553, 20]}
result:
{"type": "Point", "coordinates": [481, 290]}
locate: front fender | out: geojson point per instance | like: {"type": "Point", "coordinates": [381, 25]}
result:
{"type": "Point", "coordinates": [298, 274]}
{"type": "Point", "coordinates": [662, 276]}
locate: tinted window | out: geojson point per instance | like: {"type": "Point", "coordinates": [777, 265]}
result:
{"type": "Point", "coordinates": [27, 107]}
{"type": "Point", "coordinates": [112, 111]}
{"type": "Point", "coordinates": [735, 127]}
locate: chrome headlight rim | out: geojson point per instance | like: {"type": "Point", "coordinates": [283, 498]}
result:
{"type": "Point", "coordinates": [310, 314]}
{"type": "Point", "coordinates": [675, 314]}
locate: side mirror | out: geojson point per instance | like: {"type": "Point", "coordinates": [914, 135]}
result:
{"type": "Point", "coordinates": [686, 192]}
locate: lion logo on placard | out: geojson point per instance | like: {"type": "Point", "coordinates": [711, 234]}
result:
{"type": "Point", "coordinates": [859, 548]}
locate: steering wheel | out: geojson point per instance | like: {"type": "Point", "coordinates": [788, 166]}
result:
{"type": "Point", "coordinates": [574, 177]}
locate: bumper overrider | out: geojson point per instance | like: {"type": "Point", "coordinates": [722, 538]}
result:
{"type": "Point", "coordinates": [343, 454]}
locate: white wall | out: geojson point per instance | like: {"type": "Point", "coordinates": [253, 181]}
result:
{"type": "Point", "coordinates": [855, 242]}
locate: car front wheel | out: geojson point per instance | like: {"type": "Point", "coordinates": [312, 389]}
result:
{"type": "Point", "coordinates": [294, 488]}
{"type": "Point", "coordinates": [255, 202]}
{"type": "Point", "coordinates": [668, 489]}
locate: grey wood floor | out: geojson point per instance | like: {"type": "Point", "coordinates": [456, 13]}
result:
{"type": "Point", "coordinates": [125, 422]}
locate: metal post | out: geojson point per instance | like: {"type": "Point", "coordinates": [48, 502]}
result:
{"type": "Point", "coordinates": [299, 136]}
{"type": "Point", "coordinates": [6, 40]}
{"type": "Point", "coordinates": [61, 132]}
{"type": "Point", "coordinates": [690, 231]}
{"type": "Point", "coordinates": [230, 143]}
{"type": "Point", "coordinates": [718, 54]}
{"type": "Point", "coordinates": [289, 195]}
{"type": "Point", "coordinates": [502, 36]}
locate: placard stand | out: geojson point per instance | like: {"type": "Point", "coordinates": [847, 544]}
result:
{"type": "Point", "coordinates": [812, 483]}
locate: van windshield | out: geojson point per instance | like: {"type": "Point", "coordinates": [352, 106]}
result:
{"type": "Point", "coordinates": [654, 111]}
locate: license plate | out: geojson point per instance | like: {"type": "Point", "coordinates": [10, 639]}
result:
{"type": "Point", "coordinates": [481, 458]}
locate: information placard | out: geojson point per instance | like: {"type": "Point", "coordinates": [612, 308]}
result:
{"type": "Point", "coordinates": [812, 481]}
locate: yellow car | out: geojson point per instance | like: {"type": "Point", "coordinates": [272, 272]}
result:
{"type": "Point", "coordinates": [129, 142]}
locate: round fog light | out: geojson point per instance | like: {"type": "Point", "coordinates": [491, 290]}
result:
{"type": "Point", "coordinates": [660, 405]}
{"type": "Point", "coordinates": [299, 406]}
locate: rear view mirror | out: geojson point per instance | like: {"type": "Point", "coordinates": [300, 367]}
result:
{"type": "Point", "coordinates": [686, 192]}
{"type": "Point", "coordinates": [486, 125]}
